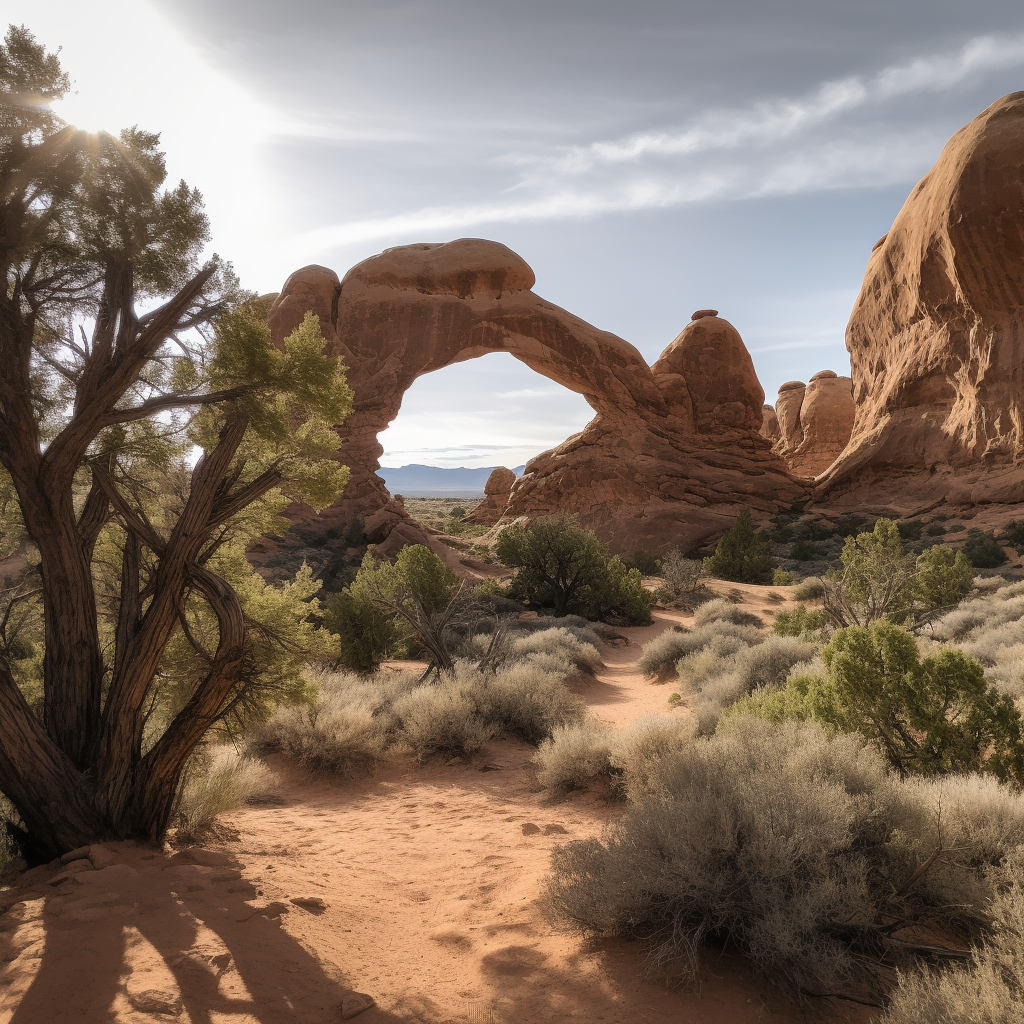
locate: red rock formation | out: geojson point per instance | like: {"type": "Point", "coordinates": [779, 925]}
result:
{"type": "Point", "coordinates": [936, 337]}
{"type": "Point", "coordinates": [670, 456]}
{"type": "Point", "coordinates": [770, 423]}
{"type": "Point", "coordinates": [815, 421]}
{"type": "Point", "coordinates": [496, 495]}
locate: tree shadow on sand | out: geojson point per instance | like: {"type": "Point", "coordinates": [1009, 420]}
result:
{"type": "Point", "coordinates": [158, 934]}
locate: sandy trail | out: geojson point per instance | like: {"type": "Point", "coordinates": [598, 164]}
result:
{"type": "Point", "coordinates": [429, 878]}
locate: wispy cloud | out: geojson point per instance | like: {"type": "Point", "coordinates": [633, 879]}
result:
{"type": "Point", "coordinates": [838, 135]}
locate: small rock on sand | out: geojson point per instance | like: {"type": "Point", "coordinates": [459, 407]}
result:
{"type": "Point", "coordinates": [354, 1004]}
{"type": "Point", "coordinates": [154, 1000]}
{"type": "Point", "coordinates": [313, 904]}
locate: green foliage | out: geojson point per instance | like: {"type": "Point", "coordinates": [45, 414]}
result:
{"type": "Point", "coordinates": [781, 578]}
{"type": "Point", "coordinates": [389, 604]}
{"type": "Point", "coordinates": [366, 633]}
{"type": "Point", "coordinates": [805, 551]}
{"type": "Point", "coordinates": [561, 566]}
{"type": "Point", "coordinates": [935, 715]}
{"type": "Point", "coordinates": [742, 555]}
{"type": "Point", "coordinates": [799, 620]}
{"type": "Point", "coordinates": [881, 580]}
{"type": "Point", "coordinates": [982, 550]}
{"type": "Point", "coordinates": [944, 577]}
{"type": "Point", "coordinates": [646, 562]}
{"type": "Point", "coordinates": [1013, 534]}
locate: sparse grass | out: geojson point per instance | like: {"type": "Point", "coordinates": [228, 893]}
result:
{"type": "Point", "coordinates": [358, 720]}
{"type": "Point", "coordinates": [219, 781]}
{"type": "Point", "coordinates": [722, 610]}
{"type": "Point", "coordinates": [791, 845]}
{"type": "Point", "coordinates": [659, 656]}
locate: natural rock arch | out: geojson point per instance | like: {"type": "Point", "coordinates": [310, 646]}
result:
{"type": "Point", "coordinates": [654, 468]}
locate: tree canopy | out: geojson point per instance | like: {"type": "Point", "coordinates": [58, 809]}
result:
{"type": "Point", "coordinates": [135, 555]}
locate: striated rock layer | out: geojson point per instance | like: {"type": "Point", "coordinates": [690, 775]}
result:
{"type": "Point", "coordinates": [672, 454]}
{"type": "Point", "coordinates": [936, 337]}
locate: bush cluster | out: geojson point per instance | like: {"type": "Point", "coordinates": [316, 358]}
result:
{"type": "Point", "coordinates": [742, 555]}
{"type": "Point", "coordinates": [799, 848]}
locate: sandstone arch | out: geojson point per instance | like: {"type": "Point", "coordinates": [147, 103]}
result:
{"type": "Point", "coordinates": [646, 472]}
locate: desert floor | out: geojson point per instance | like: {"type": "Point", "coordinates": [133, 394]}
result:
{"type": "Point", "coordinates": [418, 886]}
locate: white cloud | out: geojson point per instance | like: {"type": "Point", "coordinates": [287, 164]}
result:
{"type": "Point", "coordinates": [775, 147]}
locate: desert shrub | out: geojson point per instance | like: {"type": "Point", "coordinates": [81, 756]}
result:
{"type": "Point", "coordinates": [358, 720]}
{"type": "Point", "coordinates": [805, 551]}
{"type": "Point", "coordinates": [799, 620]}
{"type": "Point", "coordinates": [645, 562]}
{"type": "Point", "coordinates": [742, 555]}
{"type": "Point", "coordinates": [989, 989]}
{"type": "Point", "coordinates": [723, 610]}
{"type": "Point", "coordinates": [935, 530]}
{"type": "Point", "coordinates": [910, 529]}
{"type": "Point", "coordinates": [682, 575]}
{"type": "Point", "coordinates": [781, 578]}
{"type": "Point", "coordinates": [560, 642]}
{"type": "Point", "coordinates": [218, 781]}
{"type": "Point", "coordinates": [574, 756]}
{"type": "Point", "coordinates": [810, 589]}
{"type": "Point", "coordinates": [716, 677]}
{"type": "Point", "coordinates": [560, 566]}
{"type": "Point", "coordinates": [982, 550]}
{"type": "Point", "coordinates": [659, 656]}
{"type": "Point", "coordinates": [367, 633]}
{"type": "Point", "coordinates": [1013, 534]}
{"type": "Point", "coordinates": [879, 579]}
{"type": "Point", "coordinates": [793, 845]}
{"type": "Point", "coordinates": [441, 718]}
{"type": "Point", "coordinates": [932, 715]}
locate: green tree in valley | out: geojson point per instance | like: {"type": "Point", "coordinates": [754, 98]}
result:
{"type": "Point", "coordinates": [152, 629]}
{"type": "Point", "coordinates": [563, 567]}
{"type": "Point", "coordinates": [742, 555]}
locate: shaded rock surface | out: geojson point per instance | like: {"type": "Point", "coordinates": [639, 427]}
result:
{"type": "Point", "coordinates": [497, 491]}
{"type": "Point", "coordinates": [673, 451]}
{"type": "Point", "coordinates": [936, 337]}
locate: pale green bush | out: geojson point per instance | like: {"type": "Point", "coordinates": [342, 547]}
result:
{"type": "Point", "coordinates": [220, 780]}
{"type": "Point", "coordinates": [795, 846]}
{"type": "Point", "coordinates": [723, 610]}
{"type": "Point", "coordinates": [660, 656]}
{"type": "Point", "coordinates": [574, 756]}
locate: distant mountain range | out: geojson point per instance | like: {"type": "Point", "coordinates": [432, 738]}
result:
{"type": "Point", "coordinates": [434, 482]}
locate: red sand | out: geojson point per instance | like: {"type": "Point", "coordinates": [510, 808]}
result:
{"type": "Point", "coordinates": [430, 877]}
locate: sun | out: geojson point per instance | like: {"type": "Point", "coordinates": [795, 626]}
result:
{"type": "Point", "coordinates": [89, 115]}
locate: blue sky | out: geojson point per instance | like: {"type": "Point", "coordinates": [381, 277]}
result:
{"type": "Point", "coordinates": [646, 158]}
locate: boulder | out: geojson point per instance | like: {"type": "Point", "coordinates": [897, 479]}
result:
{"type": "Point", "coordinates": [497, 491]}
{"type": "Point", "coordinates": [936, 337]}
{"type": "Point", "coordinates": [815, 421]}
{"type": "Point", "coordinates": [673, 449]}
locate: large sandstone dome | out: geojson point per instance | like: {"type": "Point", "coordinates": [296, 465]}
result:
{"type": "Point", "coordinates": [936, 338]}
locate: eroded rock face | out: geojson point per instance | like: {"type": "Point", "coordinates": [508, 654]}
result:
{"type": "Point", "coordinates": [770, 423]}
{"type": "Point", "coordinates": [658, 466]}
{"type": "Point", "coordinates": [815, 421]}
{"type": "Point", "coordinates": [497, 491]}
{"type": "Point", "coordinates": [936, 337]}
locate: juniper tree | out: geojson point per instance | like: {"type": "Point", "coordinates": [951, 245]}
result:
{"type": "Point", "coordinates": [139, 558]}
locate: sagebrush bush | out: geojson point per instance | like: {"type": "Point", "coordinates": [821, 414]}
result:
{"type": "Point", "coordinates": [358, 720]}
{"type": "Point", "coordinates": [659, 656]}
{"type": "Point", "coordinates": [810, 589]}
{"type": "Point", "coordinates": [798, 621]}
{"type": "Point", "coordinates": [989, 990]}
{"type": "Point", "coordinates": [716, 677]}
{"type": "Point", "coordinates": [220, 780]}
{"type": "Point", "coordinates": [723, 610]}
{"type": "Point", "coordinates": [559, 642]}
{"type": "Point", "coordinates": [574, 756]}
{"type": "Point", "coordinates": [793, 845]}
{"type": "Point", "coordinates": [682, 575]}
